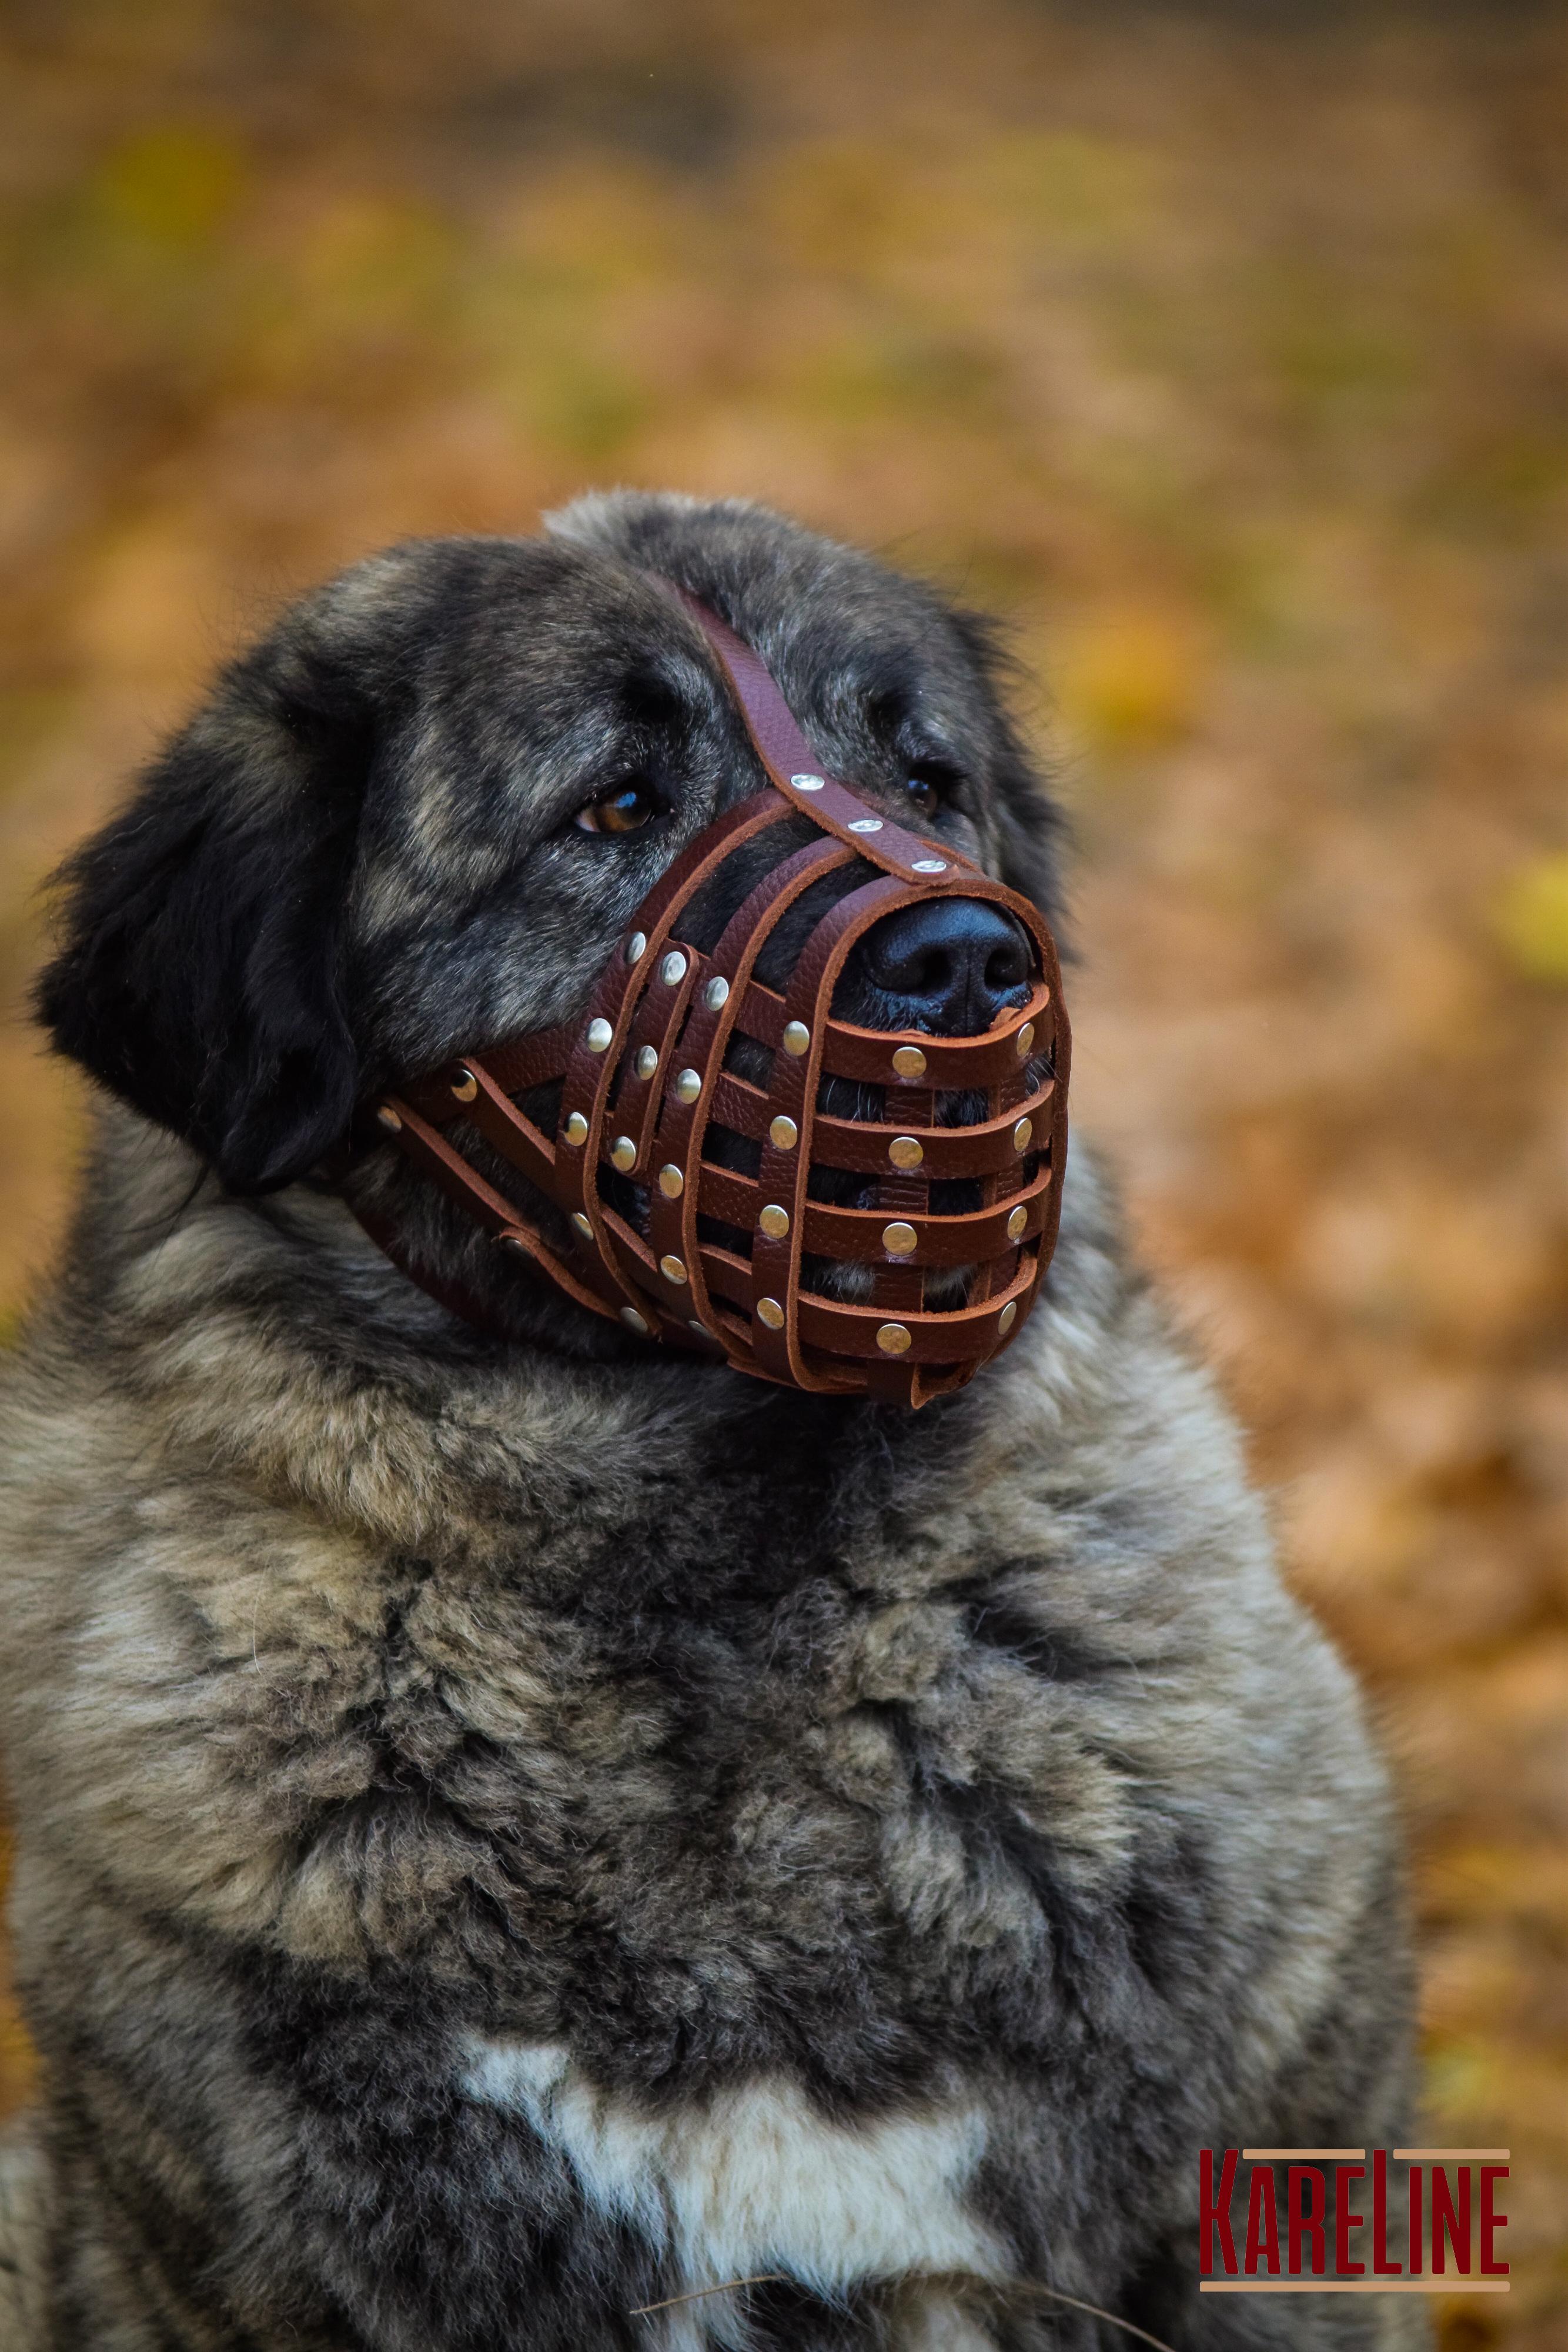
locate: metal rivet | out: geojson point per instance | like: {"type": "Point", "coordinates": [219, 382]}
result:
{"type": "Point", "coordinates": [797, 1038]}
{"type": "Point", "coordinates": [634, 1322]}
{"type": "Point", "coordinates": [647, 1061]}
{"type": "Point", "coordinates": [909, 1062]}
{"type": "Point", "coordinates": [464, 1086]}
{"type": "Point", "coordinates": [623, 1153]}
{"type": "Point", "coordinates": [768, 1311]}
{"type": "Point", "coordinates": [930, 865]}
{"type": "Point", "coordinates": [808, 783]}
{"type": "Point", "coordinates": [636, 947]}
{"type": "Point", "coordinates": [774, 1221]}
{"type": "Point", "coordinates": [700, 1328]}
{"type": "Point", "coordinates": [672, 1269]}
{"type": "Point", "coordinates": [688, 1086]}
{"type": "Point", "coordinates": [1008, 1318]}
{"type": "Point", "coordinates": [1024, 1040]}
{"type": "Point", "coordinates": [865, 825]}
{"type": "Point", "coordinates": [582, 1225]}
{"type": "Point", "coordinates": [893, 1340]}
{"type": "Point", "coordinates": [899, 1240]}
{"type": "Point", "coordinates": [598, 1038]}
{"type": "Point", "coordinates": [1017, 1225]}
{"type": "Point", "coordinates": [716, 997]}
{"type": "Point", "coordinates": [513, 1243]}
{"type": "Point", "coordinates": [389, 1118]}
{"type": "Point", "coordinates": [1021, 1134]}
{"type": "Point", "coordinates": [674, 968]}
{"type": "Point", "coordinates": [783, 1133]}
{"type": "Point", "coordinates": [906, 1151]}
{"type": "Point", "coordinates": [671, 1182]}
{"type": "Point", "coordinates": [576, 1128]}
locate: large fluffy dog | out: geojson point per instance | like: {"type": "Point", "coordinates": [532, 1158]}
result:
{"type": "Point", "coordinates": [515, 1829]}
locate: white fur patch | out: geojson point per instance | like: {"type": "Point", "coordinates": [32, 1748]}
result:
{"type": "Point", "coordinates": [755, 2179]}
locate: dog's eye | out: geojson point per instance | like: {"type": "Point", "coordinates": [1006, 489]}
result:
{"type": "Point", "coordinates": [930, 790]}
{"type": "Point", "coordinates": [627, 809]}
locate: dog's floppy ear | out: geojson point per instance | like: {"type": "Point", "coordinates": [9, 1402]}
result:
{"type": "Point", "coordinates": [198, 969]}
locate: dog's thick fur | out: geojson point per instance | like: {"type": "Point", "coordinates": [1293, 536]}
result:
{"type": "Point", "coordinates": [510, 1833]}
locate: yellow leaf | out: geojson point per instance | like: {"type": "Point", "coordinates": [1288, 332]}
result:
{"type": "Point", "coordinates": [1531, 920]}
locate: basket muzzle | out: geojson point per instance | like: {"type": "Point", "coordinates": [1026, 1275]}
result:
{"type": "Point", "coordinates": [890, 1299]}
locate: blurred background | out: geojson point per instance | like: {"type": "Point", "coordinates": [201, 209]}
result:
{"type": "Point", "coordinates": [1222, 351]}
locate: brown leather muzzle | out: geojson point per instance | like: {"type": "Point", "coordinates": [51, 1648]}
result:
{"type": "Point", "coordinates": [645, 1090]}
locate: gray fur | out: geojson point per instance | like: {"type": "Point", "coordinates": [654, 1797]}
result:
{"type": "Point", "coordinates": [377, 1698]}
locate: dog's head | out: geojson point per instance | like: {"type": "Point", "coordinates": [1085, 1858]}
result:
{"type": "Point", "coordinates": [421, 813]}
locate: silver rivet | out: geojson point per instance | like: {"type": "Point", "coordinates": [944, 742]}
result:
{"type": "Point", "coordinates": [389, 1118]}
{"type": "Point", "coordinates": [906, 1152]}
{"type": "Point", "coordinates": [930, 865]}
{"type": "Point", "coordinates": [715, 995]}
{"type": "Point", "coordinates": [1008, 1318]}
{"type": "Point", "coordinates": [576, 1128]}
{"type": "Point", "coordinates": [1017, 1225]}
{"type": "Point", "coordinates": [1024, 1040]}
{"type": "Point", "coordinates": [464, 1086]}
{"type": "Point", "coordinates": [671, 1182]}
{"type": "Point", "coordinates": [899, 1240]}
{"type": "Point", "coordinates": [808, 783]}
{"type": "Point", "coordinates": [783, 1134]}
{"type": "Point", "coordinates": [700, 1328]}
{"type": "Point", "coordinates": [688, 1086]}
{"type": "Point", "coordinates": [598, 1038]}
{"type": "Point", "coordinates": [865, 825]}
{"type": "Point", "coordinates": [672, 1269]}
{"type": "Point", "coordinates": [647, 1061]}
{"type": "Point", "coordinates": [513, 1243]}
{"type": "Point", "coordinates": [623, 1153]}
{"type": "Point", "coordinates": [582, 1225]}
{"type": "Point", "coordinates": [1021, 1134]}
{"type": "Point", "coordinates": [774, 1221]}
{"type": "Point", "coordinates": [893, 1338]}
{"type": "Point", "coordinates": [768, 1311]}
{"type": "Point", "coordinates": [909, 1062]}
{"type": "Point", "coordinates": [797, 1038]}
{"type": "Point", "coordinates": [634, 1322]}
{"type": "Point", "coordinates": [636, 947]}
{"type": "Point", "coordinates": [674, 968]}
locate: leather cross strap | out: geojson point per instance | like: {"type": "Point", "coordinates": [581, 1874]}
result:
{"type": "Point", "coordinates": [887, 1294]}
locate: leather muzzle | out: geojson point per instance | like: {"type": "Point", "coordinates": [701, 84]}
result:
{"type": "Point", "coordinates": [765, 1267]}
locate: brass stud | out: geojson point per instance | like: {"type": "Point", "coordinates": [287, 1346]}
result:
{"type": "Point", "coordinates": [899, 1240]}
{"type": "Point", "coordinates": [623, 1154]}
{"type": "Point", "coordinates": [808, 783]}
{"type": "Point", "coordinates": [673, 969]}
{"type": "Point", "coordinates": [672, 1269]}
{"type": "Point", "coordinates": [1024, 1040]}
{"type": "Point", "coordinates": [389, 1118]}
{"type": "Point", "coordinates": [930, 865]}
{"type": "Point", "coordinates": [1008, 1318]}
{"type": "Point", "coordinates": [636, 947]}
{"type": "Point", "coordinates": [598, 1037]}
{"type": "Point", "coordinates": [906, 1152]}
{"type": "Point", "coordinates": [893, 1338]}
{"type": "Point", "coordinates": [671, 1182]}
{"type": "Point", "coordinates": [634, 1322]}
{"type": "Point", "coordinates": [576, 1128]}
{"type": "Point", "coordinates": [865, 825]}
{"type": "Point", "coordinates": [774, 1221]}
{"type": "Point", "coordinates": [715, 995]}
{"type": "Point", "coordinates": [688, 1086]}
{"type": "Point", "coordinates": [464, 1086]}
{"type": "Point", "coordinates": [768, 1311]}
{"type": "Point", "coordinates": [1017, 1225]}
{"type": "Point", "coordinates": [909, 1062]}
{"type": "Point", "coordinates": [582, 1225]}
{"type": "Point", "coordinates": [647, 1061]}
{"type": "Point", "coordinates": [797, 1038]}
{"type": "Point", "coordinates": [783, 1133]}
{"type": "Point", "coordinates": [1021, 1134]}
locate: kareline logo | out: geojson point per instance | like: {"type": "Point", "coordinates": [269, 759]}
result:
{"type": "Point", "coordinates": [1430, 2223]}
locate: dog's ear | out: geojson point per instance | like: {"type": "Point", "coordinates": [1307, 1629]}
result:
{"type": "Point", "coordinates": [1029, 819]}
{"type": "Point", "coordinates": [198, 971]}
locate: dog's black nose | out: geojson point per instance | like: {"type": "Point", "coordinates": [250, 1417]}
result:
{"type": "Point", "coordinates": [946, 965]}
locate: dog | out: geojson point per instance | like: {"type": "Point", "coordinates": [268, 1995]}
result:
{"type": "Point", "coordinates": [527, 1838]}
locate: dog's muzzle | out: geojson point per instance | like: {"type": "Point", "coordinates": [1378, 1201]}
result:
{"type": "Point", "coordinates": [894, 1299]}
